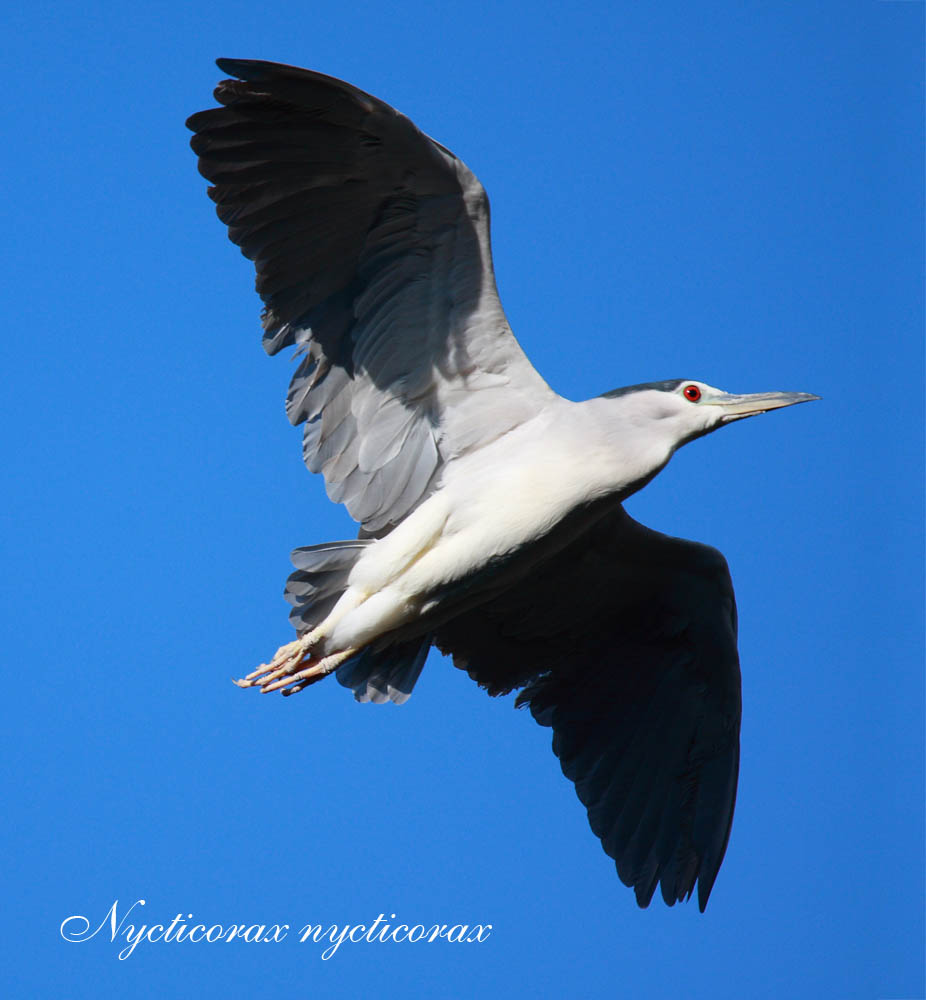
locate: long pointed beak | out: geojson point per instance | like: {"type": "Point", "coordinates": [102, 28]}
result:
{"type": "Point", "coordinates": [736, 407]}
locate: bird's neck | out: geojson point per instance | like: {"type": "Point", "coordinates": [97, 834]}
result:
{"type": "Point", "coordinates": [629, 448]}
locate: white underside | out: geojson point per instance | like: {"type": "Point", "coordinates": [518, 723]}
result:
{"type": "Point", "coordinates": [490, 503]}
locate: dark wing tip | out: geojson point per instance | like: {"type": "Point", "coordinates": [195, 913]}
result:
{"type": "Point", "coordinates": [260, 70]}
{"type": "Point", "coordinates": [235, 67]}
{"type": "Point", "coordinates": [295, 79]}
{"type": "Point", "coordinates": [256, 70]}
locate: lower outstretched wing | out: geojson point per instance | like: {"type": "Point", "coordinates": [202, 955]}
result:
{"type": "Point", "coordinates": [626, 641]}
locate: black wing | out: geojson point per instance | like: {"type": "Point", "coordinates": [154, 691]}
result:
{"type": "Point", "coordinates": [626, 640]}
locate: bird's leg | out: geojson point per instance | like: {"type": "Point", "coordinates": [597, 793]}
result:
{"type": "Point", "coordinates": [313, 670]}
{"type": "Point", "coordinates": [293, 664]}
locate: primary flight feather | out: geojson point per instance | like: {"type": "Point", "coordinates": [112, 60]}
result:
{"type": "Point", "coordinates": [490, 512]}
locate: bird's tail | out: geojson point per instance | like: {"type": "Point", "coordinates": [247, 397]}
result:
{"type": "Point", "coordinates": [377, 673]}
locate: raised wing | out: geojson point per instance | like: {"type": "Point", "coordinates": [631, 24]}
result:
{"type": "Point", "coordinates": [371, 244]}
{"type": "Point", "coordinates": [627, 642]}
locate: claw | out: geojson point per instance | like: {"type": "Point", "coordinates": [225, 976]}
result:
{"type": "Point", "coordinates": [296, 688]}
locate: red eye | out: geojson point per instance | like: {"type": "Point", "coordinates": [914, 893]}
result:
{"type": "Point", "coordinates": [693, 393]}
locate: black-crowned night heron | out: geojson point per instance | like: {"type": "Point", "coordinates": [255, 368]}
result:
{"type": "Point", "coordinates": [490, 507]}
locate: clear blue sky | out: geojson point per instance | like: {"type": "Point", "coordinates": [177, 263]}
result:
{"type": "Point", "coordinates": [727, 191]}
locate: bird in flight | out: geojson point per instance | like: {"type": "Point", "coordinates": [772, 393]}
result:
{"type": "Point", "coordinates": [490, 508]}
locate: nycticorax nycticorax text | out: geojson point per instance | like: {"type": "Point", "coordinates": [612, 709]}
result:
{"type": "Point", "coordinates": [490, 507]}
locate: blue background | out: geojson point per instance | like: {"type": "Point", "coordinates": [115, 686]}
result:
{"type": "Point", "coordinates": [726, 191]}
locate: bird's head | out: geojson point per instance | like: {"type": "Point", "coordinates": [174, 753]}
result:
{"type": "Point", "coordinates": [680, 410]}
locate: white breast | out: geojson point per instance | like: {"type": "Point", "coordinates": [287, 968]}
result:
{"type": "Point", "coordinates": [491, 502]}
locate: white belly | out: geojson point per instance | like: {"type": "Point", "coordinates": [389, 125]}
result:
{"type": "Point", "coordinates": [490, 504]}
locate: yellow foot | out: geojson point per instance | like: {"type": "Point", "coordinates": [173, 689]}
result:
{"type": "Point", "coordinates": [294, 668]}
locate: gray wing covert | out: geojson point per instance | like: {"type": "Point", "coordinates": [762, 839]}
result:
{"type": "Point", "coordinates": [371, 245]}
{"type": "Point", "coordinates": [626, 640]}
